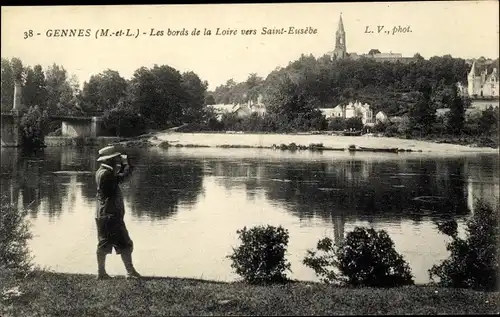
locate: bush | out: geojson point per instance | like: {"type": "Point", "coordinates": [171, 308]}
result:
{"type": "Point", "coordinates": [261, 256]}
{"type": "Point", "coordinates": [380, 127]}
{"type": "Point", "coordinates": [473, 262]}
{"type": "Point", "coordinates": [14, 236]}
{"type": "Point", "coordinates": [366, 258]}
{"type": "Point", "coordinates": [336, 124]}
{"type": "Point", "coordinates": [355, 123]}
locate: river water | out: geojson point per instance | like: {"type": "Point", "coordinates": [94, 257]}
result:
{"type": "Point", "coordinates": [184, 205]}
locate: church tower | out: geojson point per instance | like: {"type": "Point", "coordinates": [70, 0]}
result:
{"type": "Point", "coordinates": [340, 51]}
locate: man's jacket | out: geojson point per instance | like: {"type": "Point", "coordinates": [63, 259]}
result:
{"type": "Point", "coordinates": [109, 196]}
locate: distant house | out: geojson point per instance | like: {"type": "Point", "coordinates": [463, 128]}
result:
{"type": "Point", "coordinates": [240, 110]}
{"type": "Point", "coordinates": [381, 117]}
{"type": "Point", "coordinates": [221, 109]}
{"type": "Point", "coordinates": [351, 110]}
{"type": "Point", "coordinates": [357, 109]}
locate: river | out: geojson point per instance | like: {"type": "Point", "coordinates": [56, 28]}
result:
{"type": "Point", "coordinates": [184, 205]}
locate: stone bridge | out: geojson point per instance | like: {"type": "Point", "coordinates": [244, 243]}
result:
{"type": "Point", "coordinates": [70, 126]}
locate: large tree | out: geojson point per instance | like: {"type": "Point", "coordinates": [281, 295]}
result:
{"type": "Point", "coordinates": [194, 96]}
{"type": "Point", "coordinates": [103, 91]}
{"type": "Point", "coordinates": [34, 90]}
{"type": "Point", "coordinates": [158, 95]}
{"type": "Point", "coordinates": [61, 91]}
{"type": "Point", "coordinates": [456, 117]}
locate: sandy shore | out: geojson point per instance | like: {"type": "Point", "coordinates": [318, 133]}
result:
{"type": "Point", "coordinates": [267, 140]}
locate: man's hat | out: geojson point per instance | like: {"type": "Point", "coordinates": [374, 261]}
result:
{"type": "Point", "coordinates": [109, 152]}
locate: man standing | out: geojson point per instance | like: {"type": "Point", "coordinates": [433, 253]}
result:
{"type": "Point", "coordinates": [111, 229]}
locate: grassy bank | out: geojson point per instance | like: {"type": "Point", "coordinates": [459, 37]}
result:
{"type": "Point", "coordinates": [53, 294]}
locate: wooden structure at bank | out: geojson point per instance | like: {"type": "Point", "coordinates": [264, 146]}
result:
{"type": "Point", "coordinates": [71, 127]}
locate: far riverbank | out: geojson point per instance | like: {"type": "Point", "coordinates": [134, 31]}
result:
{"type": "Point", "coordinates": [234, 140]}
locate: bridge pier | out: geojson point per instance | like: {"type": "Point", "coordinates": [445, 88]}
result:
{"type": "Point", "coordinates": [11, 136]}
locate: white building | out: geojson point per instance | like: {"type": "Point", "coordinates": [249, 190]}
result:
{"type": "Point", "coordinates": [351, 110]}
{"type": "Point", "coordinates": [482, 84]}
{"type": "Point", "coordinates": [357, 109]}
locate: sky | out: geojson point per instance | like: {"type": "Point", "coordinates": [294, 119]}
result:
{"type": "Point", "coordinates": [467, 29]}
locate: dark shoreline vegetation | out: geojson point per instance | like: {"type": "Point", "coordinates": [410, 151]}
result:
{"type": "Point", "coordinates": [162, 97]}
{"type": "Point", "coordinates": [379, 282]}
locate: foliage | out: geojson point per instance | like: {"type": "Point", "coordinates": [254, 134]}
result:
{"type": "Point", "coordinates": [124, 122]}
{"type": "Point", "coordinates": [194, 90]}
{"type": "Point", "coordinates": [33, 126]}
{"type": "Point", "coordinates": [209, 100]}
{"type": "Point", "coordinates": [103, 91]}
{"type": "Point", "coordinates": [164, 97]}
{"type": "Point", "coordinates": [355, 123]}
{"type": "Point", "coordinates": [473, 261]}
{"type": "Point", "coordinates": [260, 258]}
{"type": "Point", "coordinates": [456, 116]}
{"type": "Point", "coordinates": [336, 124]}
{"type": "Point", "coordinates": [35, 90]}
{"type": "Point", "coordinates": [365, 258]}
{"type": "Point", "coordinates": [61, 90]}
{"type": "Point", "coordinates": [231, 92]}
{"type": "Point", "coordinates": [7, 85]}
{"type": "Point", "coordinates": [488, 121]}
{"type": "Point", "coordinates": [14, 237]}
{"type": "Point", "coordinates": [157, 95]}
{"type": "Point", "coordinates": [380, 127]}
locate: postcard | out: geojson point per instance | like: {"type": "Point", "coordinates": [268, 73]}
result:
{"type": "Point", "coordinates": [186, 159]}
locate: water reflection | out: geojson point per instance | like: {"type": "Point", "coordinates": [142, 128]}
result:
{"type": "Point", "coordinates": [354, 186]}
{"type": "Point", "coordinates": [55, 177]}
{"type": "Point", "coordinates": [161, 181]}
{"type": "Point", "coordinates": [159, 186]}
{"type": "Point", "coordinates": [218, 191]}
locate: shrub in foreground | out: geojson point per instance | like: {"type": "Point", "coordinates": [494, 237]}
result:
{"type": "Point", "coordinates": [365, 258]}
{"type": "Point", "coordinates": [260, 258]}
{"type": "Point", "coordinates": [14, 237]}
{"type": "Point", "coordinates": [473, 261]}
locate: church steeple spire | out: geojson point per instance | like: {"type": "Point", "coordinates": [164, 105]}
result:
{"type": "Point", "coordinates": [340, 28]}
{"type": "Point", "coordinates": [340, 50]}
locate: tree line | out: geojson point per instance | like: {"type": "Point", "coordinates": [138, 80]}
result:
{"type": "Point", "coordinates": [161, 96]}
{"type": "Point", "coordinates": [154, 98]}
{"type": "Point", "coordinates": [414, 91]}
